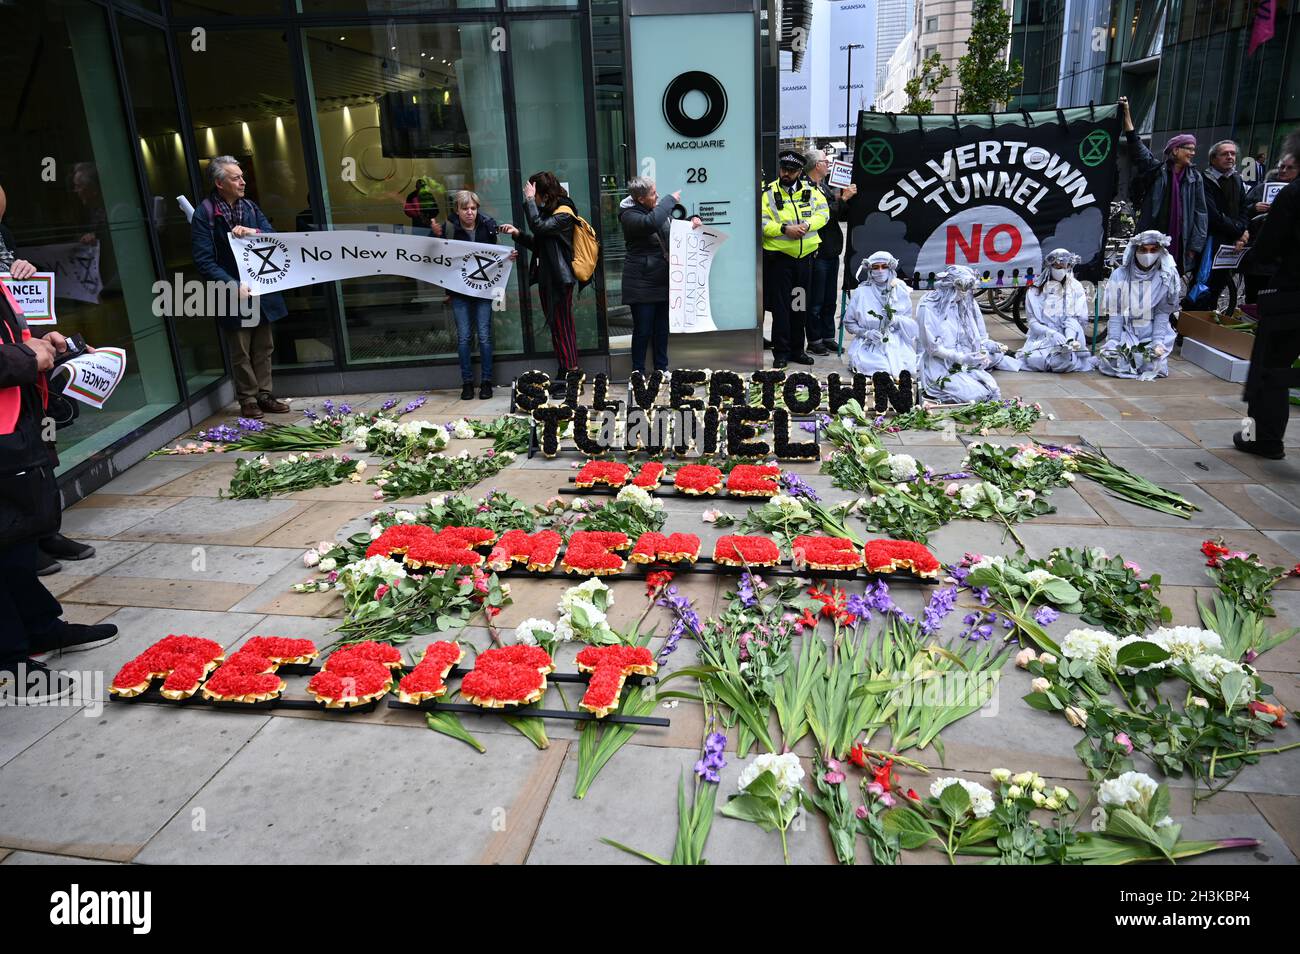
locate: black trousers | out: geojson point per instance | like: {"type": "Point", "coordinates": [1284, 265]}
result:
{"type": "Point", "coordinates": [1270, 378]}
{"type": "Point", "coordinates": [27, 608]}
{"type": "Point", "coordinates": [789, 284]}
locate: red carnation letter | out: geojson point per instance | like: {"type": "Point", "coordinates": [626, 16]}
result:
{"type": "Point", "coordinates": [650, 474]}
{"type": "Point", "coordinates": [355, 675]}
{"type": "Point", "coordinates": [507, 676]}
{"type": "Point", "coordinates": [536, 551]}
{"type": "Point", "coordinates": [653, 547]}
{"type": "Point", "coordinates": [428, 679]}
{"type": "Point", "coordinates": [592, 552]}
{"type": "Point", "coordinates": [744, 550]}
{"type": "Point", "coordinates": [606, 473]}
{"type": "Point", "coordinates": [609, 667]}
{"type": "Point", "coordinates": [754, 480]}
{"type": "Point", "coordinates": [181, 662]}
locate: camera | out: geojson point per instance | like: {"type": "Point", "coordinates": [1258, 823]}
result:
{"type": "Point", "coordinates": [76, 348]}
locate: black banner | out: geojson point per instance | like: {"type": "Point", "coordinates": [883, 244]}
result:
{"type": "Point", "coordinates": [991, 191]}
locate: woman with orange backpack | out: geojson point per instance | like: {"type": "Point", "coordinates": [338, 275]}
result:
{"type": "Point", "coordinates": [552, 219]}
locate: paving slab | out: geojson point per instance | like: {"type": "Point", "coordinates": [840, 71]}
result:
{"type": "Point", "coordinates": [342, 792]}
{"type": "Point", "coordinates": [153, 473]}
{"type": "Point", "coordinates": [208, 520]}
{"type": "Point", "coordinates": [205, 562]}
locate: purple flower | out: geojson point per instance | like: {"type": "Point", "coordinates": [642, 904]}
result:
{"type": "Point", "coordinates": [982, 594]}
{"type": "Point", "coordinates": [955, 475]}
{"type": "Point", "coordinates": [796, 486]}
{"type": "Point", "coordinates": [979, 625]}
{"type": "Point", "coordinates": [1046, 616]}
{"type": "Point", "coordinates": [388, 405]}
{"type": "Point", "coordinates": [221, 434]}
{"type": "Point", "coordinates": [328, 405]}
{"type": "Point", "coordinates": [820, 422]}
{"type": "Point", "coordinates": [875, 599]}
{"type": "Point", "coordinates": [684, 618]}
{"type": "Point", "coordinates": [418, 402]}
{"type": "Point", "coordinates": [748, 590]}
{"type": "Point", "coordinates": [249, 424]}
{"type": "Point", "coordinates": [310, 414]}
{"type": "Point", "coordinates": [715, 742]}
{"type": "Point", "coordinates": [941, 604]}
{"type": "Point", "coordinates": [345, 408]}
{"type": "Point", "coordinates": [959, 573]}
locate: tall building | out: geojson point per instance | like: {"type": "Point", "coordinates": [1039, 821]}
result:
{"type": "Point", "coordinates": [900, 68]}
{"type": "Point", "coordinates": [893, 21]}
{"type": "Point", "coordinates": [816, 100]}
{"type": "Point", "coordinates": [943, 27]}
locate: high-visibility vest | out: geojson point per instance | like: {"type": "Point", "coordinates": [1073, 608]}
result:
{"type": "Point", "coordinates": [782, 206]}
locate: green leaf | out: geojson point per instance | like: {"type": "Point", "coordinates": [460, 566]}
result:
{"type": "Point", "coordinates": [1041, 701]}
{"type": "Point", "coordinates": [982, 829]}
{"type": "Point", "coordinates": [1061, 592]}
{"type": "Point", "coordinates": [1122, 823]}
{"type": "Point", "coordinates": [1139, 655]}
{"type": "Point", "coordinates": [907, 825]}
{"type": "Point", "coordinates": [955, 801]}
{"type": "Point", "coordinates": [752, 808]}
{"type": "Point", "coordinates": [530, 727]}
{"type": "Point", "coordinates": [644, 855]}
{"type": "Point", "coordinates": [448, 723]}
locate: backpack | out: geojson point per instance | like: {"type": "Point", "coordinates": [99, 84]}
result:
{"type": "Point", "coordinates": [586, 248]}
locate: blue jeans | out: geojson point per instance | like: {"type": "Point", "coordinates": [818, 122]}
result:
{"type": "Point", "coordinates": [821, 311]}
{"type": "Point", "coordinates": [473, 313]}
{"type": "Point", "coordinates": [649, 321]}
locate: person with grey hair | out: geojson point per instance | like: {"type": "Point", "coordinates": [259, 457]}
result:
{"type": "Point", "coordinates": [646, 219]}
{"type": "Point", "coordinates": [227, 211]}
{"type": "Point", "coordinates": [1226, 207]}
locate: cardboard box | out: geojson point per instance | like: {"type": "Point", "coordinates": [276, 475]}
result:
{"type": "Point", "coordinates": [1205, 327]}
{"type": "Point", "coordinates": [1218, 363]}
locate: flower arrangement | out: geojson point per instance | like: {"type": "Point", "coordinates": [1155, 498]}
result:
{"type": "Point", "coordinates": [602, 473]}
{"type": "Point", "coordinates": [259, 478]}
{"type": "Point", "coordinates": [428, 679]}
{"type": "Point", "coordinates": [609, 667]}
{"type": "Point", "coordinates": [1243, 578]}
{"type": "Point", "coordinates": [355, 675]}
{"type": "Point", "coordinates": [653, 547]}
{"type": "Point", "coordinates": [746, 551]}
{"type": "Point", "coordinates": [594, 552]}
{"type": "Point", "coordinates": [400, 440]}
{"type": "Point", "coordinates": [754, 480]}
{"type": "Point", "coordinates": [770, 794]}
{"type": "Point", "coordinates": [584, 614]}
{"type": "Point", "coordinates": [507, 676]}
{"type": "Point", "coordinates": [1021, 466]}
{"type": "Point", "coordinates": [182, 662]}
{"type": "Point", "coordinates": [421, 475]}
{"type": "Point", "coordinates": [698, 480]}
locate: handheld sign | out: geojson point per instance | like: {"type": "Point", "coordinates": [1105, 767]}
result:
{"type": "Point", "coordinates": [93, 377]}
{"type": "Point", "coordinates": [34, 295]}
{"type": "Point", "coordinates": [1225, 256]}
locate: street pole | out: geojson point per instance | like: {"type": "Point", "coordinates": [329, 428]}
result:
{"type": "Point", "coordinates": [848, 92]}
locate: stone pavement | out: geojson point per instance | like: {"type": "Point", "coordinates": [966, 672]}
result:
{"type": "Point", "coordinates": [152, 784]}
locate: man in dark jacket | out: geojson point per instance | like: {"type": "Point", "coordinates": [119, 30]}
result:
{"type": "Point", "coordinates": [646, 220]}
{"type": "Point", "coordinates": [1226, 208]}
{"type": "Point", "coordinates": [30, 623]}
{"type": "Point", "coordinates": [227, 212]}
{"type": "Point", "coordinates": [1277, 338]}
{"type": "Point", "coordinates": [826, 261]}
{"type": "Point", "coordinates": [1169, 194]}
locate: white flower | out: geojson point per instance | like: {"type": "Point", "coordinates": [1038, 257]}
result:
{"type": "Point", "coordinates": [785, 768]}
{"type": "Point", "coordinates": [462, 430]}
{"type": "Point", "coordinates": [579, 503]}
{"type": "Point", "coordinates": [711, 515]}
{"type": "Point", "coordinates": [1076, 717]}
{"type": "Point", "coordinates": [584, 593]}
{"type": "Point", "coordinates": [404, 516]}
{"type": "Point", "coordinates": [1051, 803]}
{"type": "Point", "coordinates": [1199, 701]}
{"type": "Point", "coordinates": [1025, 459]}
{"type": "Point", "coordinates": [1038, 797]}
{"type": "Point", "coordinates": [361, 467]}
{"type": "Point", "coordinates": [264, 461]}
{"type": "Point", "coordinates": [1027, 494]}
{"type": "Point", "coordinates": [901, 466]}
{"type": "Point", "coordinates": [1132, 790]}
{"type": "Point", "coordinates": [1069, 477]}
{"type": "Point", "coordinates": [1040, 685]}
{"type": "Point", "coordinates": [355, 574]}
{"type": "Point", "coordinates": [1047, 659]}
{"type": "Point", "coordinates": [310, 558]}
{"type": "Point", "coordinates": [525, 631]}
{"type": "Point", "coordinates": [639, 497]}
{"type": "Point", "coordinates": [973, 495]}
{"type": "Point", "coordinates": [1185, 642]}
{"type": "Point", "coordinates": [375, 532]}
{"type": "Point", "coordinates": [1024, 658]}
{"type": "Point", "coordinates": [1000, 774]}
{"type": "Point", "coordinates": [981, 799]}
{"type": "Point", "coordinates": [291, 459]}
{"type": "Point", "coordinates": [988, 562]}
{"type": "Point", "coordinates": [508, 456]}
{"type": "Point", "coordinates": [788, 505]}
{"type": "Point", "coordinates": [1092, 645]}
{"type": "Point", "coordinates": [328, 564]}
{"type": "Point", "coordinates": [1040, 577]}
{"type": "Point", "coordinates": [1209, 669]}
{"type": "Point", "coordinates": [1015, 791]}
{"type": "Point", "coordinates": [1061, 794]}
{"type": "Point", "coordinates": [1024, 778]}
{"type": "Point", "coordinates": [437, 501]}
{"type": "Point", "coordinates": [325, 546]}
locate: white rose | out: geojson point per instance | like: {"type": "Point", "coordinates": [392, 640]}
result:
{"type": "Point", "coordinates": [1000, 774]}
{"type": "Point", "coordinates": [361, 467]}
{"type": "Point", "coordinates": [1047, 659]}
{"type": "Point", "coordinates": [1024, 658]}
{"type": "Point", "coordinates": [404, 516]}
{"type": "Point", "coordinates": [1040, 685]}
{"type": "Point", "coordinates": [328, 564]}
{"type": "Point", "coordinates": [1015, 791]}
{"type": "Point", "coordinates": [437, 501]}
{"type": "Point", "coordinates": [310, 558]}
{"type": "Point", "coordinates": [375, 532]}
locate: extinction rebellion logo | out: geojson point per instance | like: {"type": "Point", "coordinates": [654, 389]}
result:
{"type": "Point", "coordinates": [481, 272]}
{"type": "Point", "coordinates": [695, 128]}
{"type": "Point", "coordinates": [266, 260]}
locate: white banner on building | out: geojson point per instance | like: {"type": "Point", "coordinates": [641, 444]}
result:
{"type": "Point", "coordinates": [34, 295]}
{"type": "Point", "coordinates": [93, 377]}
{"type": "Point", "coordinates": [275, 261]}
{"type": "Point", "coordinates": [74, 264]}
{"type": "Point", "coordinates": [690, 258]}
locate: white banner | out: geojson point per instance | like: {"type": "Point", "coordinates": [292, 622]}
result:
{"type": "Point", "coordinates": [93, 377]}
{"type": "Point", "coordinates": [34, 295]}
{"type": "Point", "coordinates": [74, 264]}
{"type": "Point", "coordinates": [690, 258]}
{"type": "Point", "coordinates": [275, 261]}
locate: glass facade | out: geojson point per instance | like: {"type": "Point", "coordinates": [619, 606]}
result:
{"type": "Point", "coordinates": [344, 114]}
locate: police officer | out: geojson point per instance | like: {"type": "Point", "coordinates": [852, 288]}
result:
{"type": "Point", "coordinates": [793, 212]}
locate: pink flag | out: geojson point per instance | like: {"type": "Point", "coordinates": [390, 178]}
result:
{"type": "Point", "coordinates": [1262, 30]}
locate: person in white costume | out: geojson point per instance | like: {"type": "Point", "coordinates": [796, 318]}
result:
{"type": "Point", "coordinates": [880, 320]}
{"type": "Point", "coordinates": [1058, 308]}
{"type": "Point", "coordinates": [1141, 296]}
{"type": "Point", "coordinates": [957, 353]}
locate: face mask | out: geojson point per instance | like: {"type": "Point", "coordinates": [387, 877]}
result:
{"type": "Point", "coordinates": [880, 275]}
{"type": "Point", "coordinates": [1147, 259]}
{"type": "Point", "coordinates": [1058, 274]}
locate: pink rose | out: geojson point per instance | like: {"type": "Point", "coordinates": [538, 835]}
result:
{"type": "Point", "coordinates": [1122, 739]}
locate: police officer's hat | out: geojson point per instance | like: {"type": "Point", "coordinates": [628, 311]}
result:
{"type": "Point", "coordinates": [790, 159]}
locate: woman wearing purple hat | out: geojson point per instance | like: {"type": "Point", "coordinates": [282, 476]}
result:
{"type": "Point", "coordinates": [1169, 193]}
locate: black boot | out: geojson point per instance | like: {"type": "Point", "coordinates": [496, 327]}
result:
{"type": "Point", "coordinates": [467, 391]}
{"type": "Point", "coordinates": [1258, 448]}
{"type": "Point", "coordinates": [57, 545]}
{"type": "Point", "coordinates": [46, 564]}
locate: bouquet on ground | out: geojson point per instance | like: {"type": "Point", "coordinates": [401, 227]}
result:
{"type": "Point", "coordinates": [1020, 466]}
{"type": "Point", "coordinates": [1243, 578]}
{"type": "Point", "coordinates": [261, 477]}
{"type": "Point", "coordinates": [399, 440]}
{"type": "Point", "coordinates": [421, 475]}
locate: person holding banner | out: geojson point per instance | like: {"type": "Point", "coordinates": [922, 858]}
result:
{"type": "Point", "coordinates": [227, 212]}
{"type": "Point", "coordinates": [1169, 193]}
{"type": "Point", "coordinates": [1058, 308]}
{"type": "Point", "coordinates": [646, 219]}
{"type": "Point", "coordinates": [1141, 296]}
{"type": "Point", "coordinates": [793, 214]}
{"type": "Point", "coordinates": [957, 353]}
{"type": "Point", "coordinates": [879, 318]}
{"type": "Point", "coordinates": [550, 218]}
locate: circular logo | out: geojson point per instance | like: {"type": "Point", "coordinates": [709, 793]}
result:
{"type": "Point", "coordinates": [1095, 147]}
{"type": "Point", "coordinates": [481, 272]}
{"type": "Point", "coordinates": [695, 81]}
{"type": "Point", "coordinates": [875, 156]}
{"type": "Point", "coordinates": [266, 260]}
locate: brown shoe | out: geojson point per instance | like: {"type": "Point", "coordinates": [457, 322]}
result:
{"type": "Point", "coordinates": [250, 409]}
{"type": "Point", "coordinates": [272, 404]}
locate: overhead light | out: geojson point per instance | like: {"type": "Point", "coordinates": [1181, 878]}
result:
{"type": "Point", "coordinates": [342, 38]}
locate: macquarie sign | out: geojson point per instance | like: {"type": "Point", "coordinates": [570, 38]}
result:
{"type": "Point", "coordinates": [991, 192]}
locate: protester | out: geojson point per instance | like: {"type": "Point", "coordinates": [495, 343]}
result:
{"type": "Point", "coordinates": [226, 211]}
{"type": "Point", "coordinates": [879, 319]}
{"type": "Point", "coordinates": [646, 219]}
{"type": "Point", "coordinates": [1141, 296]}
{"type": "Point", "coordinates": [1057, 307]}
{"type": "Point", "coordinates": [30, 623]}
{"type": "Point", "coordinates": [1256, 272]}
{"type": "Point", "coordinates": [421, 205]}
{"type": "Point", "coordinates": [550, 212]}
{"type": "Point", "coordinates": [956, 350]}
{"type": "Point", "coordinates": [794, 212]}
{"type": "Point", "coordinates": [53, 545]}
{"type": "Point", "coordinates": [1277, 338]}
{"type": "Point", "coordinates": [826, 260]}
{"type": "Point", "coordinates": [473, 315]}
{"type": "Point", "coordinates": [1228, 212]}
{"type": "Point", "coordinates": [1169, 194]}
